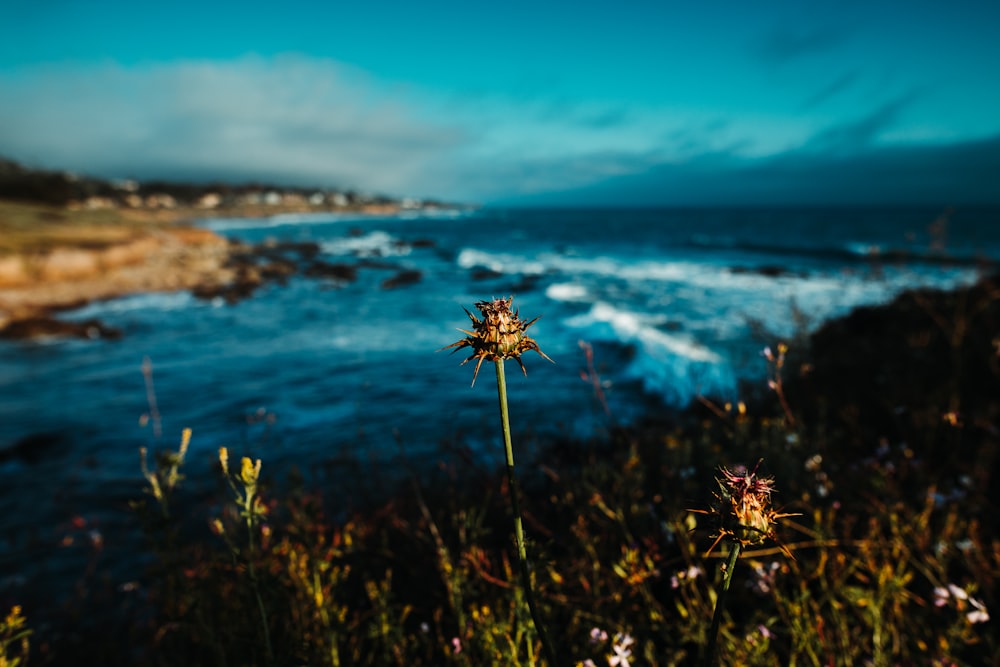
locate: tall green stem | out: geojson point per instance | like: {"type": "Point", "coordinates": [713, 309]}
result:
{"type": "Point", "coordinates": [522, 553]}
{"type": "Point", "coordinates": [252, 571]}
{"type": "Point", "coordinates": [720, 603]}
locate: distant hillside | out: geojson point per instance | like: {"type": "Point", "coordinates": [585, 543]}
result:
{"type": "Point", "coordinates": [62, 188]}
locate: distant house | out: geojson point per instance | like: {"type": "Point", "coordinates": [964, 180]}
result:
{"type": "Point", "coordinates": [160, 200]}
{"type": "Point", "coordinates": [96, 203]}
{"type": "Point", "coordinates": [209, 200]}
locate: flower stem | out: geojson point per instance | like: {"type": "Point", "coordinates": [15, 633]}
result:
{"type": "Point", "coordinates": [251, 520]}
{"type": "Point", "coordinates": [522, 554]}
{"type": "Point", "coordinates": [720, 603]}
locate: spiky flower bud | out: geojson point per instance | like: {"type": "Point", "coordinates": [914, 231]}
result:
{"type": "Point", "coordinates": [744, 508]}
{"type": "Point", "coordinates": [498, 336]}
{"type": "Point", "coordinates": [746, 500]}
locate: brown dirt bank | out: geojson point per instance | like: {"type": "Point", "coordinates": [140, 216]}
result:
{"type": "Point", "coordinates": [54, 258]}
{"type": "Point", "coordinates": [64, 277]}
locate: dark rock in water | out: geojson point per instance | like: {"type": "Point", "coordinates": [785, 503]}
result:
{"type": "Point", "coordinates": [46, 326]}
{"type": "Point", "coordinates": [230, 293]}
{"type": "Point", "coordinates": [248, 279]}
{"type": "Point", "coordinates": [33, 448]}
{"type": "Point", "coordinates": [321, 269]}
{"type": "Point", "coordinates": [369, 263]}
{"type": "Point", "coordinates": [671, 326]}
{"type": "Point", "coordinates": [423, 243]}
{"type": "Point", "coordinates": [403, 278]}
{"type": "Point", "coordinates": [525, 284]}
{"type": "Point", "coordinates": [768, 270]}
{"type": "Point", "coordinates": [304, 250]}
{"type": "Point", "coordinates": [483, 273]}
{"type": "Point", "coordinates": [279, 270]}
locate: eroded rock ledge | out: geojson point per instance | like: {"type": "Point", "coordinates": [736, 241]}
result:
{"type": "Point", "coordinates": [34, 289]}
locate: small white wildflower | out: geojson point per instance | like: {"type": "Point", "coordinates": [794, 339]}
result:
{"type": "Point", "coordinates": [965, 545]}
{"type": "Point", "coordinates": [598, 635]}
{"type": "Point", "coordinates": [620, 646]}
{"type": "Point", "coordinates": [958, 593]}
{"type": "Point", "coordinates": [689, 574]}
{"type": "Point", "coordinates": [978, 613]}
{"type": "Point", "coordinates": [977, 616]}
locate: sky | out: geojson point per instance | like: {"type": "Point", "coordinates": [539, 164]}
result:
{"type": "Point", "coordinates": [517, 103]}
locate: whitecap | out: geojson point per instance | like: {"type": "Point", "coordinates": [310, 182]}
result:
{"type": "Point", "coordinates": [676, 367]}
{"type": "Point", "coordinates": [631, 327]}
{"type": "Point", "coordinates": [470, 258]}
{"type": "Point", "coordinates": [151, 301]}
{"type": "Point", "coordinates": [282, 220]}
{"type": "Point", "coordinates": [567, 292]}
{"type": "Point", "coordinates": [373, 244]}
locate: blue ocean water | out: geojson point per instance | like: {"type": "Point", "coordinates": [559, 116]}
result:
{"type": "Point", "coordinates": [314, 372]}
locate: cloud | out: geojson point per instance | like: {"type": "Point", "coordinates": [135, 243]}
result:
{"type": "Point", "coordinates": [851, 136]}
{"type": "Point", "coordinates": [609, 118]}
{"type": "Point", "coordinates": [830, 90]}
{"type": "Point", "coordinates": [940, 174]}
{"type": "Point", "coordinates": [783, 44]}
{"type": "Point", "coordinates": [288, 119]}
{"type": "Point", "coordinates": [541, 175]}
{"type": "Point", "coordinates": [306, 121]}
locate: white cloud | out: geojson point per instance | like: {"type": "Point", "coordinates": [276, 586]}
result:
{"type": "Point", "coordinates": [304, 120]}
{"type": "Point", "coordinates": [289, 119]}
{"type": "Point", "coordinates": [310, 121]}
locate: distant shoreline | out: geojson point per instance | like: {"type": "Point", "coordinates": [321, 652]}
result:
{"type": "Point", "coordinates": [56, 258]}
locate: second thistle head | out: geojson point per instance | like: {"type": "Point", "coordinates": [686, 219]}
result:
{"type": "Point", "coordinates": [746, 500]}
{"type": "Point", "coordinates": [745, 512]}
{"type": "Point", "coordinates": [499, 335]}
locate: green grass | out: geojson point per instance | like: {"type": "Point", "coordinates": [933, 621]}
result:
{"type": "Point", "coordinates": [27, 228]}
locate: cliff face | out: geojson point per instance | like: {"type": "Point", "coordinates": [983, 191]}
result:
{"type": "Point", "coordinates": [35, 284]}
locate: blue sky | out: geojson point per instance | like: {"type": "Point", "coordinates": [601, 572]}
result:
{"type": "Point", "coordinates": [517, 102]}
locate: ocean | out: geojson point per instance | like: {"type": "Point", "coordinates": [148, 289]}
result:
{"type": "Point", "coordinates": [331, 376]}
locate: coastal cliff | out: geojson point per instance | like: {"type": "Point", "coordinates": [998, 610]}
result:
{"type": "Point", "coordinates": [34, 285]}
{"type": "Point", "coordinates": [67, 240]}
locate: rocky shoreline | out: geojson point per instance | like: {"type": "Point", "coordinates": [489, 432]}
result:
{"type": "Point", "coordinates": [36, 287]}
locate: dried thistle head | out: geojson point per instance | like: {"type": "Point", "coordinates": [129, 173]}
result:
{"type": "Point", "coordinates": [498, 336]}
{"type": "Point", "coordinates": [744, 508]}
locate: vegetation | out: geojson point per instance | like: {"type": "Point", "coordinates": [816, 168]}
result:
{"type": "Point", "coordinates": [176, 199]}
{"type": "Point", "coordinates": [33, 228]}
{"type": "Point", "coordinates": [879, 443]}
